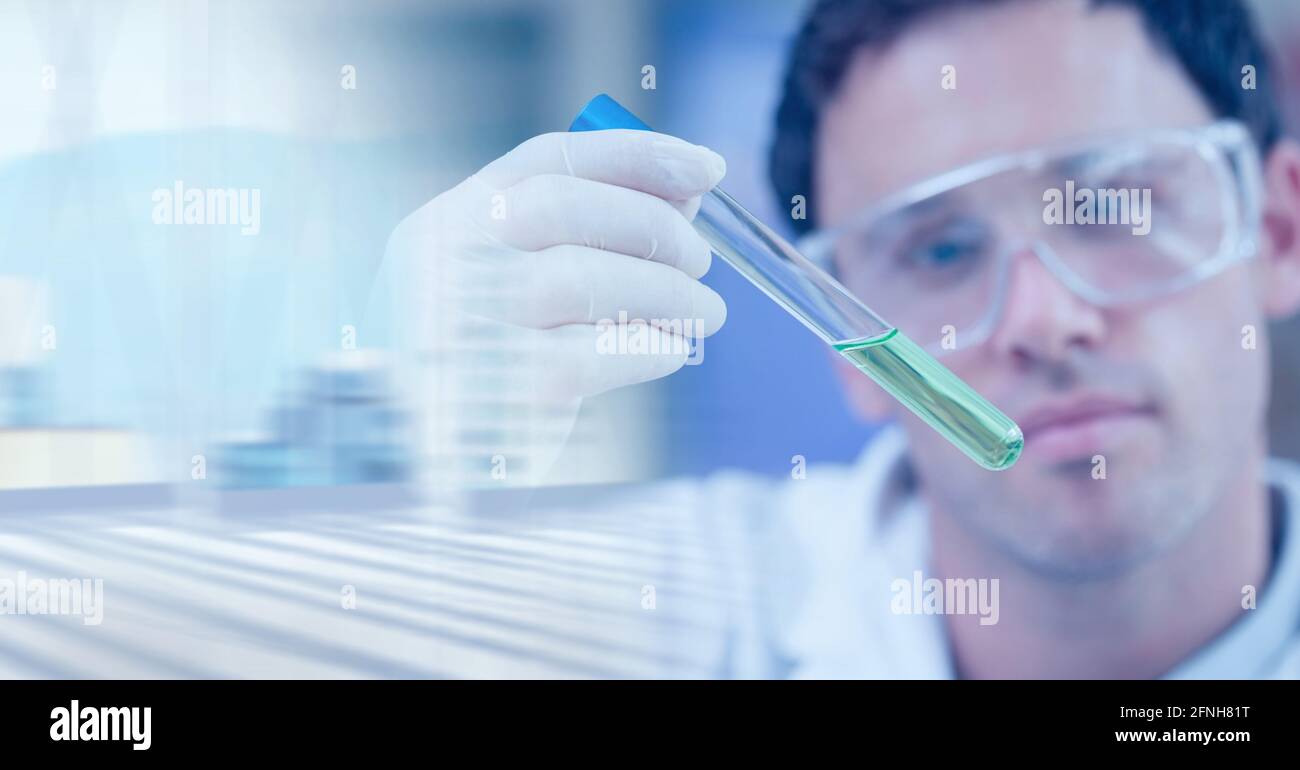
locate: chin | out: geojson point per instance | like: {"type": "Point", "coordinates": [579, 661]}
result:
{"type": "Point", "coordinates": [1098, 532]}
{"type": "Point", "coordinates": [1093, 554]}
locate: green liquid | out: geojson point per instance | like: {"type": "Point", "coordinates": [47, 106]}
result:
{"type": "Point", "coordinates": [938, 396]}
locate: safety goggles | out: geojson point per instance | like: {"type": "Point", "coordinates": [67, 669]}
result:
{"type": "Point", "coordinates": [1118, 220]}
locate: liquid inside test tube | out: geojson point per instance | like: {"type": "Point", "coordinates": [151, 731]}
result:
{"type": "Point", "coordinates": [937, 396]}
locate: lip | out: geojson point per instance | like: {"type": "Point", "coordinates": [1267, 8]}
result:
{"type": "Point", "coordinates": [1083, 425]}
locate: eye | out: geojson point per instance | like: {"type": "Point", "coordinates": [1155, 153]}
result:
{"type": "Point", "coordinates": [944, 247]}
{"type": "Point", "coordinates": [942, 253]}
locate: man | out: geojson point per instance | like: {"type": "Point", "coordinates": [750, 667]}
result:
{"type": "Point", "coordinates": [942, 147]}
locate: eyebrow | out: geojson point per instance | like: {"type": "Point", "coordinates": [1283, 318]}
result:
{"type": "Point", "coordinates": [926, 207]}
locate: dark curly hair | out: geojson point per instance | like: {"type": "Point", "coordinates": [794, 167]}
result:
{"type": "Point", "coordinates": [1211, 39]}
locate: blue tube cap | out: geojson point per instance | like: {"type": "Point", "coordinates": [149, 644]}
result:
{"type": "Point", "coordinates": [603, 112]}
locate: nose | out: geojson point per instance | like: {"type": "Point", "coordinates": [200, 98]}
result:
{"type": "Point", "coordinates": [1043, 320]}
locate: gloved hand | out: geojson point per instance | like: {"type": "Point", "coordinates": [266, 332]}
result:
{"type": "Point", "coordinates": [506, 279]}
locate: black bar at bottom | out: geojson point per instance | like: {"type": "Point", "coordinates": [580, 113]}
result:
{"type": "Point", "coordinates": [303, 719]}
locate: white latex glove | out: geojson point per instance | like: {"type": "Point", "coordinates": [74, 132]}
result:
{"type": "Point", "coordinates": [505, 278]}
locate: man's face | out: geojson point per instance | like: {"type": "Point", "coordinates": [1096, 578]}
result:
{"type": "Point", "coordinates": [1028, 75]}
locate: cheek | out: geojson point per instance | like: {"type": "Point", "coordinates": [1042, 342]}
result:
{"type": "Point", "coordinates": [1207, 346]}
{"type": "Point", "coordinates": [1207, 326]}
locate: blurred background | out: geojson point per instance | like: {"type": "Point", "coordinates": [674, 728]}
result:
{"type": "Point", "coordinates": [137, 352]}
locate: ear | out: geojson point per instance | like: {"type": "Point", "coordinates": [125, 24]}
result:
{"type": "Point", "coordinates": [1279, 247]}
{"type": "Point", "coordinates": [867, 399]}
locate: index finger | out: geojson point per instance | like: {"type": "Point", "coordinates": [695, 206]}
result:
{"type": "Point", "coordinates": [654, 163]}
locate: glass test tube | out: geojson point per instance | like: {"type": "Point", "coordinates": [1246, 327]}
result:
{"type": "Point", "coordinates": [830, 311]}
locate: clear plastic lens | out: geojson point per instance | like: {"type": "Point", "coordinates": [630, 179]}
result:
{"type": "Point", "coordinates": [1116, 223]}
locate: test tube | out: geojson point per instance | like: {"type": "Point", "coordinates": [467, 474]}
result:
{"type": "Point", "coordinates": [879, 350]}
